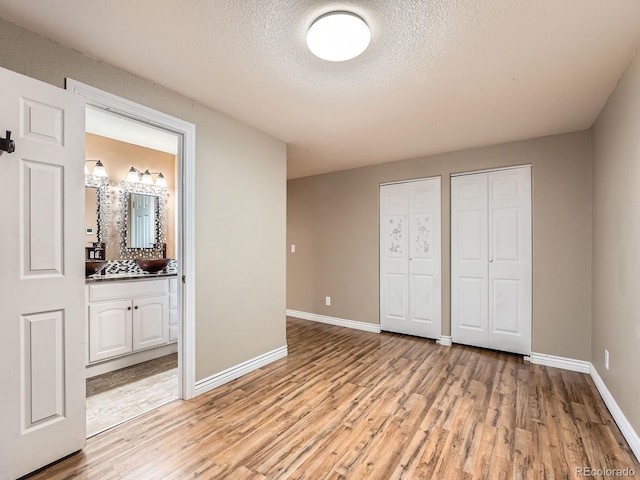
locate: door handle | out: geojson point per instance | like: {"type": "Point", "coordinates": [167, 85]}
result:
{"type": "Point", "coordinates": [136, 307]}
{"type": "Point", "coordinates": [6, 144]}
{"type": "Point", "coordinates": [491, 261]}
{"type": "Point", "coordinates": [129, 308]}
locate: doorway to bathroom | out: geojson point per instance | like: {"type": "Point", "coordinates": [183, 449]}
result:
{"type": "Point", "coordinates": [137, 216]}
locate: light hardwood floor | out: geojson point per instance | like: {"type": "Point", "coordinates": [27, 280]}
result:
{"type": "Point", "coordinates": [347, 404]}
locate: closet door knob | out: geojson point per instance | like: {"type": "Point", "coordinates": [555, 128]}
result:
{"type": "Point", "coordinates": [136, 307]}
{"type": "Point", "coordinates": [128, 308]}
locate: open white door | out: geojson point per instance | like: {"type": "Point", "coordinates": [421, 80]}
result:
{"type": "Point", "coordinates": [42, 278]}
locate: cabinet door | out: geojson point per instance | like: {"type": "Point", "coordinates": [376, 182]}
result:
{"type": "Point", "coordinates": [109, 329]}
{"type": "Point", "coordinates": [150, 322]}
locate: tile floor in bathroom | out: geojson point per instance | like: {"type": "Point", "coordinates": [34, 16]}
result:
{"type": "Point", "coordinates": [115, 397]}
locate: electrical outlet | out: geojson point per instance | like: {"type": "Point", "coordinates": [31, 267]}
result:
{"type": "Point", "coordinates": [293, 248]}
{"type": "Point", "coordinates": [606, 359]}
{"type": "Point", "coordinates": [327, 301]}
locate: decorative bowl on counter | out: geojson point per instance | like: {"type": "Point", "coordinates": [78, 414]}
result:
{"type": "Point", "coordinates": [152, 265]}
{"type": "Point", "coordinates": [92, 267]}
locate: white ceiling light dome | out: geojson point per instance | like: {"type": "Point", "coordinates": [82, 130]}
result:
{"type": "Point", "coordinates": [338, 36]}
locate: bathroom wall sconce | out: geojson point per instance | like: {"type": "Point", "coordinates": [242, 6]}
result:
{"type": "Point", "coordinates": [136, 176]}
{"type": "Point", "coordinates": [98, 170]}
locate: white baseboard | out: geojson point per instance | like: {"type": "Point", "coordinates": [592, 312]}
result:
{"type": "Point", "coordinates": [560, 362]}
{"type": "Point", "coordinates": [239, 370]}
{"type": "Point", "coordinates": [625, 427]}
{"type": "Point", "coordinates": [339, 322]}
{"type": "Point", "coordinates": [445, 340]}
{"type": "Point", "coordinates": [129, 360]}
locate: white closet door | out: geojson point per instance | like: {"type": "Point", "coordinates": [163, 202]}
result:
{"type": "Point", "coordinates": [410, 275]}
{"type": "Point", "coordinates": [491, 285]}
{"type": "Point", "coordinates": [469, 260]}
{"type": "Point", "coordinates": [510, 260]}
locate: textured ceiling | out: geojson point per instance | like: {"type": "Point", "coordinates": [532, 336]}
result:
{"type": "Point", "coordinates": [439, 75]}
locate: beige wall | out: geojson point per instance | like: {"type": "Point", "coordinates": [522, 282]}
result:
{"type": "Point", "coordinates": [333, 220]}
{"type": "Point", "coordinates": [118, 157]}
{"type": "Point", "coordinates": [616, 242]}
{"type": "Point", "coordinates": [240, 204]}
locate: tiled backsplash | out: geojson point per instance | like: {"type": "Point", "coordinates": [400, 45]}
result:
{"type": "Point", "coordinates": [130, 267]}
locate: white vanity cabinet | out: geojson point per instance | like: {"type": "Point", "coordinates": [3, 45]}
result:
{"type": "Point", "coordinates": [126, 317]}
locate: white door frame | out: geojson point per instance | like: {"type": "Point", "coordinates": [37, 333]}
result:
{"type": "Point", "coordinates": [186, 133]}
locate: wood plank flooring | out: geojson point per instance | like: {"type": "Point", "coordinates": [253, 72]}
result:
{"type": "Point", "coordinates": [347, 404]}
{"type": "Point", "coordinates": [117, 396]}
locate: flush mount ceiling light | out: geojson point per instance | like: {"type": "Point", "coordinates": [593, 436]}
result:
{"type": "Point", "coordinates": [338, 36]}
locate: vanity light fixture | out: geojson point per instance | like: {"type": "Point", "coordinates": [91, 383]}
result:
{"type": "Point", "coordinates": [136, 176]}
{"type": "Point", "coordinates": [338, 36]}
{"type": "Point", "coordinates": [161, 181]}
{"type": "Point", "coordinates": [98, 170]}
{"type": "Point", "coordinates": [146, 178]}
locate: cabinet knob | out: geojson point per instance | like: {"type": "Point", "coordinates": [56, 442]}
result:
{"type": "Point", "coordinates": [136, 307]}
{"type": "Point", "coordinates": [128, 308]}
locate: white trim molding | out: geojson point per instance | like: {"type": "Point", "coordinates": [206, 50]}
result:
{"type": "Point", "coordinates": [186, 133]}
{"type": "Point", "coordinates": [445, 340]}
{"type": "Point", "coordinates": [226, 376]}
{"type": "Point", "coordinates": [560, 362]}
{"type": "Point", "coordinates": [623, 424]}
{"type": "Point", "coordinates": [338, 322]}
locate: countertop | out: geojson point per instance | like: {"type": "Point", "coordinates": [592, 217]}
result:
{"type": "Point", "coordinates": [125, 277]}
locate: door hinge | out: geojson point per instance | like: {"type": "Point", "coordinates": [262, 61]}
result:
{"type": "Point", "coordinates": [184, 279]}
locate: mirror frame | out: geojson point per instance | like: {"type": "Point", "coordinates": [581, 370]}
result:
{"type": "Point", "coordinates": [103, 208]}
{"type": "Point", "coordinates": [126, 189]}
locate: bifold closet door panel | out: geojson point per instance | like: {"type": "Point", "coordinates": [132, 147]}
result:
{"type": "Point", "coordinates": [394, 256]}
{"type": "Point", "coordinates": [469, 260]}
{"type": "Point", "coordinates": [510, 257]}
{"type": "Point", "coordinates": [410, 258]}
{"type": "Point", "coordinates": [425, 284]}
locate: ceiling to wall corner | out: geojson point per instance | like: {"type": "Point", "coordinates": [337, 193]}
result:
{"type": "Point", "coordinates": [438, 76]}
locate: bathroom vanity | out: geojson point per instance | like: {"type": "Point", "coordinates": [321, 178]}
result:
{"type": "Point", "coordinates": [131, 318]}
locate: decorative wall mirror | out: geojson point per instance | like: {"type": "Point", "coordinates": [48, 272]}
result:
{"type": "Point", "coordinates": [97, 208]}
{"type": "Point", "coordinates": [142, 222]}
